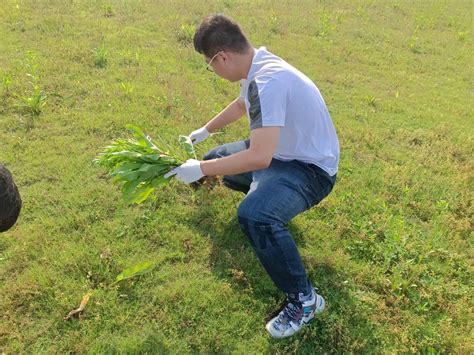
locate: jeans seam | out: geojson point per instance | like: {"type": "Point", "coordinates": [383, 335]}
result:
{"type": "Point", "coordinates": [282, 251]}
{"type": "Point", "coordinates": [294, 282]}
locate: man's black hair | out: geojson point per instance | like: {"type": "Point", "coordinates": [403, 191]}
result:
{"type": "Point", "coordinates": [10, 201]}
{"type": "Point", "coordinates": [219, 33]}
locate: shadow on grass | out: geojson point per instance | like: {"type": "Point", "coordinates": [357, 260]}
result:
{"type": "Point", "coordinates": [342, 327]}
{"type": "Point", "coordinates": [232, 257]}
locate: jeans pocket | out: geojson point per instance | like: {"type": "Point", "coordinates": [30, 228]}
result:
{"type": "Point", "coordinates": [260, 235]}
{"type": "Point", "coordinates": [264, 235]}
{"type": "Point", "coordinates": [308, 168]}
{"type": "Point", "coordinates": [318, 188]}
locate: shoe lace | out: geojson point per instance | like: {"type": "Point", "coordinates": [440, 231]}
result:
{"type": "Point", "coordinates": [292, 311]}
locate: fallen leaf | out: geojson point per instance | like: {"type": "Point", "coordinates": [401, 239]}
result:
{"type": "Point", "coordinates": [84, 301]}
{"type": "Point", "coordinates": [136, 270]}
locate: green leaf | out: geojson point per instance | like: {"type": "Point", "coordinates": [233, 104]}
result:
{"type": "Point", "coordinates": [128, 175]}
{"type": "Point", "coordinates": [187, 145]}
{"type": "Point", "coordinates": [126, 167]}
{"type": "Point", "coordinates": [143, 139]}
{"type": "Point", "coordinates": [146, 175]}
{"type": "Point", "coordinates": [138, 164]}
{"type": "Point", "coordinates": [147, 167]}
{"type": "Point", "coordinates": [137, 132]}
{"type": "Point", "coordinates": [128, 188]}
{"type": "Point", "coordinates": [141, 194]}
{"type": "Point", "coordinates": [158, 181]}
{"type": "Point", "coordinates": [136, 270]}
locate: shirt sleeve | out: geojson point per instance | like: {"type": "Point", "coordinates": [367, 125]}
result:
{"type": "Point", "coordinates": [267, 98]}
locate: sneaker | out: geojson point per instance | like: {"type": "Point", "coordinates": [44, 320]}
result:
{"type": "Point", "coordinates": [295, 315]}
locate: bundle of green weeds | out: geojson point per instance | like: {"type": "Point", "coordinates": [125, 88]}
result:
{"type": "Point", "coordinates": [139, 164]}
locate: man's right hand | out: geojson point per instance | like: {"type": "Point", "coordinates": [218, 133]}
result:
{"type": "Point", "coordinates": [199, 135]}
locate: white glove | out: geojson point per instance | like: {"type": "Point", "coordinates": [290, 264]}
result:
{"type": "Point", "coordinates": [199, 135]}
{"type": "Point", "coordinates": [187, 172]}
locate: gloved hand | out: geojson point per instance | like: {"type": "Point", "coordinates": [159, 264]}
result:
{"type": "Point", "coordinates": [199, 135]}
{"type": "Point", "coordinates": [187, 172]}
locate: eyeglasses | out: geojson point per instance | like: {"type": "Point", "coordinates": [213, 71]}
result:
{"type": "Point", "coordinates": [208, 67]}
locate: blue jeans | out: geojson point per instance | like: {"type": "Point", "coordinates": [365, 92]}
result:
{"type": "Point", "coordinates": [276, 195]}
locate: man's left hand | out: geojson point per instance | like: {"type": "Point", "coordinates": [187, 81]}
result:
{"type": "Point", "coordinates": [187, 172]}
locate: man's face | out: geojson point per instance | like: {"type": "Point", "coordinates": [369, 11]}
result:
{"type": "Point", "coordinates": [221, 64]}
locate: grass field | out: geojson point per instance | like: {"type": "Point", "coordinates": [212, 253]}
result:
{"type": "Point", "coordinates": [390, 249]}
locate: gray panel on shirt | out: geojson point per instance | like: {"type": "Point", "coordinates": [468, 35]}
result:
{"type": "Point", "coordinates": [255, 111]}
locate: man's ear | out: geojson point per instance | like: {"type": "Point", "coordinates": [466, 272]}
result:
{"type": "Point", "coordinates": [225, 57]}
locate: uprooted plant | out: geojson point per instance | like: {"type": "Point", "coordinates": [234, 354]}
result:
{"type": "Point", "coordinates": [140, 164]}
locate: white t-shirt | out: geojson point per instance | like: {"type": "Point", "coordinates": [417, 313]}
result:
{"type": "Point", "coordinates": [277, 94]}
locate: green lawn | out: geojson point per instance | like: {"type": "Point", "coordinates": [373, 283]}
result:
{"type": "Point", "coordinates": [390, 249]}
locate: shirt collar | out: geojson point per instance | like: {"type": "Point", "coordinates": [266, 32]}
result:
{"type": "Point", "coordinates": [256, 56]}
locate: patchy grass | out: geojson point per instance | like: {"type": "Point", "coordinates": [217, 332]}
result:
{"type": "Point", "coordinates": [391, 247]}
